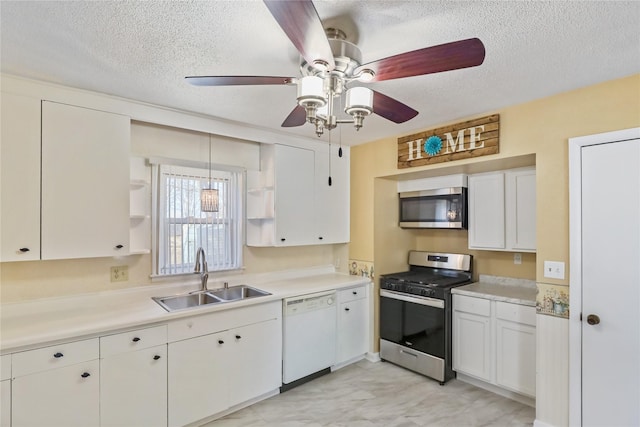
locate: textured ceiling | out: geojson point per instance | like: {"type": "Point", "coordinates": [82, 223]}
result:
{"type": "Point", "coordinates": [143, 50]}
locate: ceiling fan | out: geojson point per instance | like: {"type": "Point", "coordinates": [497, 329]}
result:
{"type": "Point", "coordinates": [332, 66]}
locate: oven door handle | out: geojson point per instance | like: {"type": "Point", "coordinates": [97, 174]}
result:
{"type": "Point", "coordinates": [431, 302]}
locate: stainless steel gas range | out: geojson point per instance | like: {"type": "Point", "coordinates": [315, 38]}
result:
{"type": "Point", "coordinates": [415, 312]}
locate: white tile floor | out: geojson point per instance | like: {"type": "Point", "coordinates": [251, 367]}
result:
{"type": "Point", "coordinates": [381, 394]}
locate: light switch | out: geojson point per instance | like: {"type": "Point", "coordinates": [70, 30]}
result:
{"type": "Point", "coordinates": [554, 269]}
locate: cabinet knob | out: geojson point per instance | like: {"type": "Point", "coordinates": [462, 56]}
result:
{"type": "Point", "coordinates": [119, 246]}
{"type": "Point", "coordinates": [282, 239]}
{"type": "Point", "coordinates": [593, 319]}
{"type": "Point", "coordinates": [220, 342]}
{"type": "Point", "coordinates": [85, 374]}
{"type": "Point", "coordinates": [23, 250]}
{"type": "Point", "coordinates": [58, 355]}
{"type": "Point", "coordinates": [156, 357]}
{"type": "Point", "coordinates": [355, 292]}
{"type": "Point", "coordinates": [320, 238]}
{"type": "Point", "coordinates": [238, 337]}
{"type": "Point", "coordinates": [346, 309]}
{"type": "Point", "coordinates": [135, 339]}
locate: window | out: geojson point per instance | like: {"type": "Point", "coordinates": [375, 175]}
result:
{"type": "Point", "coordinates": [181, 227]}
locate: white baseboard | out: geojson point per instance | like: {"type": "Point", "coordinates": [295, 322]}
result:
{"type": "Point", "coordinates": [372, 357]}
{"type": "Point", "coordinates": [538, 423]}
{"type": "Point", "coordinates": [526, 400]}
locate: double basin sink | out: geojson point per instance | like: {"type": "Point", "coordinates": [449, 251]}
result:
{"type": "Point", "coordinates": [208, 297]}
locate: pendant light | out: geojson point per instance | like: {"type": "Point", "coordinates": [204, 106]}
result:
{"type": "Point", "coordinates": [209, 196]}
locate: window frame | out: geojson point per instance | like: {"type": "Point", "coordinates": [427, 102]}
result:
{"type": "Point", "coordinates": [236, 244]}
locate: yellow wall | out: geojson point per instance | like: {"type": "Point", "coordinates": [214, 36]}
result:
{"type": "Point", "coordinates": [533, 133]}
{"type": "Point", "coordinates": [540, 128]}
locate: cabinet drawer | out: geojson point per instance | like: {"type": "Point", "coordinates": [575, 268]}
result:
{"type": "Point", "coordinates": [352, 294]}
{"type": "Point", "coordinates": [218, 321]}
{"type": "Point", "coordinates": [516, 313]}
{"type": "Point", "coordinates": [5, 367]}
{"type": "Point", "coordinates": [133, 340]}
{"type": "Point", "coordinates": [55, 356]}
{"type": "Point", "coordinates": [472, 305]}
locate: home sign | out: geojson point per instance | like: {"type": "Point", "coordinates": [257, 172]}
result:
{"type": "Point", "coordinates": [466, 140]}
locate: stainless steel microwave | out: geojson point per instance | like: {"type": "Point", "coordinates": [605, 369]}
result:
{"type": "Point", "coordinates": [441, 208]}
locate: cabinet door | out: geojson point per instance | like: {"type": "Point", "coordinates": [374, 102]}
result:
{"type": "Point", "coordinates": [256, 357]}
{"type": "Point", "coordinates": [520, 209]}
{"type": "Point", "coordinates": [472, 345]}
{"type": "Point", "coordinates": [352, 330]}
{"type": "Point", "coordinates": [85, 182]}
{"type": "Point", "coordinates": [486, 211]}
{"type": "Point", "coordinates": [5, 403]}
{"type": "Point", "coordinates": [516, 357]}
{"type": "Point", "coordinates": [133, 388]}
{"type": "Point", "coordinates": [198, 373]}
{"type": "Point", "coordinates": [294, 196]}
{"type": "Point", "coordinates": [20, 178]}
{"type": "Point", "coordinates": [332, 201]}
{"type": "Point", "coordinates": [64, 397]}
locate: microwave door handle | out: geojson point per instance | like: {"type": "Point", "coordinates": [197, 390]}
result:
{"type": "Point", "coordinates": [431, 302]}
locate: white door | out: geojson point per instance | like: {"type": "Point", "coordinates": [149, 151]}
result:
{"type": "Point", "coordinates": [611, 284]}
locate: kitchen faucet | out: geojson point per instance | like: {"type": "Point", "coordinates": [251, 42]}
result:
{"type": "Point", "coordinates": [204, 271]}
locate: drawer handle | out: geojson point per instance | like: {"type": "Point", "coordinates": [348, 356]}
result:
{"type": "Point", "coordinates": [156, 357]}
{"type": "Point", "coordinates": [58, 355]}
{"type": "Point", "coordinates": [238, 337]}
{"type": "Point", "coordinates": [346, 309]}
{"type": "Point", "coordinates": [85, 375]}
{"type": "Point", "coordinates": [23, 250]}
{"type": "Point", "coordinates": [135, 339]}
{"type": "Point", "coordinates": [220, 342]}
{"type": "Point", "coordinates": [119, 246]}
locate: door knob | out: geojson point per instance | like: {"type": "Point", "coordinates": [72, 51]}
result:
{"type": "Point", "coordinates": [593, 319]}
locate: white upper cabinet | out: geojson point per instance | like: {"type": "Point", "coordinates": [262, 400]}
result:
{"type": "Point", "coordinates": [85, 182]}
{"type": "Point", "coordinates": [332, 201]}
{"type": "Point", "coordinates": [520, 192]}
{"type": "Point", "coordinates": [20, 170]}
{"type": "Point", "coordinates": [290, 201]}
{"type": "Point", "coordinates": [502, 210]}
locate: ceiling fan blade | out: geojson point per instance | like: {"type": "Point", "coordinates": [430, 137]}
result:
{"type": "Point", "coordinates": [238, 80]}
{"type": "Point", "coordinates": [435, 59]}
{"type": "Point", "coordinates": [297, 117]}
{"type": "Point", "coordinates": [301, 23]}
{"type": "Point", "coordinates": [392, 109]}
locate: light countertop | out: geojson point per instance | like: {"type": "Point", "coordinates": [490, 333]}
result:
{"type": "Point", "coordinates": [38, 323]}
{"type": "Point", "coordinates": [515, 291]}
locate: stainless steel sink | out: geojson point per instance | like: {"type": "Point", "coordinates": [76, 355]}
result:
{"type": "Point", "coordinates": [191, 300]}
{"type": "Point", "coordinates": [202, 298]}
{"type": "Point", "coordinates": [239, 292]}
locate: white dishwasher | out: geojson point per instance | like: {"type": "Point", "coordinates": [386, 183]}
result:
{"type": "Point", "coordinates": [309, 337]}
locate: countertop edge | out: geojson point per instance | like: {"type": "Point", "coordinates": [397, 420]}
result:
{"type": "Point", "coordinates": [506, 293]}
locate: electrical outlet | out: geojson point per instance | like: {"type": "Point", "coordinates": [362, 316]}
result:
{"type": "Point", "coordinates": [554, 269]}
{"type": "Point", "coordinates": [120, 273]}
{"type": "Point", "coordinates": [517, 258]}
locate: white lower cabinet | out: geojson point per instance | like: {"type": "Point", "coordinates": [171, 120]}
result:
{"type": "Point", "coordinates": [5, 390]}
{"type": "Point", "coordinates": [133, 378]}
{"type": "Point", "coordinates": [216, 362]}
{"type": "Point", "coordinates": [353, 331]}
{"type": "Point", "coordinates": [472, 345]}
{"type": "Point", "coordinates": [56, 386]}
{"type": "Point", "coordinates": [197, 374]}
{"type": "Point", "coordinates": [494, 341]}
{"type": "Point", "coordinates": [63, 397]}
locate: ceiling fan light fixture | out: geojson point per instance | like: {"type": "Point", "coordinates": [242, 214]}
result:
{"type": "Point", "coordinates": [311, 92]}
{"type": "Point", "coordinates": [359, 100]}
{"type": "Point", "coordinates": [366, 75]}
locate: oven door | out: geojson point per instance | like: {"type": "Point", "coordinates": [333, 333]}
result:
{"type": "Point", "coordinates": [414, 322]}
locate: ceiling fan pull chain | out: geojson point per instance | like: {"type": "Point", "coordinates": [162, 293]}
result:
{"type": "Point", "coordinates": [330, 159]}
{"type": "Point", "coordinates": [340, 130]}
